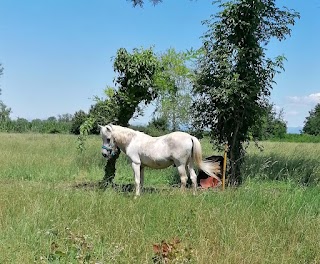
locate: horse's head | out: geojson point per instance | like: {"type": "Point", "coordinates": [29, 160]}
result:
{"type": "Point", "coordinates": [109, 147]}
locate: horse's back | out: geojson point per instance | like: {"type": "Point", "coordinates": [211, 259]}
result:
{"type": "Point", "coordinates": [163, 151]}
{"type": "Point", "coordinates": [179, 144]}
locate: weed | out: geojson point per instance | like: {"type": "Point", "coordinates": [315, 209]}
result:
{"type": "Point", "coordinates": [172, 252]}
{"type": "Point", "coordinates": [68, 247]}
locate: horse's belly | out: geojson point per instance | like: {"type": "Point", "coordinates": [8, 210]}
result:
{"type": "Point", "coordinates": [157, 164]}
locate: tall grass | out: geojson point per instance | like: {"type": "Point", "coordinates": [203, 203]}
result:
{"type": "Point", "coordinates": [273, 224]}
{"type": "Point", "coordinates": [302, 138]}
{"type": "Point", "coordinates": [296, 162]}
{"type": "Point", "coordinates": [44, 157]}
{"type": "Point", "coordinates": [46, 216]}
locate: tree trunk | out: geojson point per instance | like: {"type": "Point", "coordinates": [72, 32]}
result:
{"type": "Point", "coordinates": [110, 170]}
{"type": "Point", "coordinates": [235, 157]}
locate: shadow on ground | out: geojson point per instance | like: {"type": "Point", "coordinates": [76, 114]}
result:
{"type": "Point", "coordinates": [102, 186]}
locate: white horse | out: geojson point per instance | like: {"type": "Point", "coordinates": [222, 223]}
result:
{"type": "Point", "coordinates": [178, 148]}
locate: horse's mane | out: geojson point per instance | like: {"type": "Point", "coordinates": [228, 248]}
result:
{"type": "Point", "coordinates": [124, 134]}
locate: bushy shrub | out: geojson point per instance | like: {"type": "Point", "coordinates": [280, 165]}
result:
{"type": "Point", "coordinates": [78, 119]}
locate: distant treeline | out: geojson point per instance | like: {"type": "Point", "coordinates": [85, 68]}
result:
{"type": "Point", "coordinates": [67, 124]}
{"type": "Point", "coordinates": [49, 126]}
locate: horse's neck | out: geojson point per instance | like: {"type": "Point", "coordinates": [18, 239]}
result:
{"type": "Point", "coordinates": [123, 137]}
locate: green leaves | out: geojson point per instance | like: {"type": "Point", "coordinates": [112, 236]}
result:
{"type": "Point", "coordinates": [235, 77]}
{"type": "Point", "coordinates": [312, 122]}
{"type": "Point", "coordinates": [134, 84]}
{"type": "Point", "coordinates": [174, 83]}
{"type": "Point", "coordinates": [136, 72]}
{"type": "Point", "coordinates": [85, 128]}
{"type": "Point", "coordinates": [73, 248]}
{"type": "Point", "coordinates": [4, 110]}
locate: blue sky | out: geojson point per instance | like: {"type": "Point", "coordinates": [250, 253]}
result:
{"type": "Point", "coordinates": [57, 54]}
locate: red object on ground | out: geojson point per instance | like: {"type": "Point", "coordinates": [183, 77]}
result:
{"type": "Point", "coordinates": [210, 182]}
{"type": "Point", "coordinates": [206, 181]}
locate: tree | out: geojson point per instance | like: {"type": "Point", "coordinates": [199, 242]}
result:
{"type": "Point", "coordinates": [1, 72]}
{"type": "Point", "coordinates": [174, 100]}
{"type": "Point", "coordinates": [141, 2]}
{"type": "Point", "coordinates": [65, 118]}
{"type": "Point", "coordinates": [4, 110]}
{"type": "Point", "coordinates": [234, 75]}
{"type": "Point", "coordinates": [158, 126]}
{"type": "Point", "coordinates": [271, 125]}
{"type": "Point", "coordinates": [312, 122]}
{"type": "Point", "coordinates": [37, 125]}
{"type": "Point", "coordinates": [135, 82]}
{"type": "Point", "coordinates": [52, 119]}
{"type": "Point", "coordinates": [160, 123]}
{"type": "Point", "coordinates": [134, 87]}
{"type": "Point", "coordinates": [78, 119]}
{"type": "Point", "coordinates": [22, 125]}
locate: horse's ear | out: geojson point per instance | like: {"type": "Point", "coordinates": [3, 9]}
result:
{"type": "Point", "coordinates": [108, 128]}
{"type": "Point", "coordinates": [100, 126]}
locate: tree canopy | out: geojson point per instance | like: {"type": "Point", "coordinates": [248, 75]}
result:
{"type": "Point", "coordinates": [4, 110]}
{"type": "Point", "coordinates": [1, 72]}
{"type": "Point", "coordinates": [134, 85]}
{"type": "Point", "coordinates": [235, 77]}
{"type": "Point", "coordinates": [141, 2]}
{"type": "Point", "coordinates": [312, 122]}
{"type": "Point", "coordinates": [271, 125]}
{"type": "Point", "coordinates": [175, 84]}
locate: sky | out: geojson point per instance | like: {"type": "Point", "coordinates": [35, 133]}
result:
{"type": "Point", "coordinates": [57, 54]}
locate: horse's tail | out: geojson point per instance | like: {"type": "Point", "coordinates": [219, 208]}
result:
{"type": "Point", "coordinates": [209, 167]}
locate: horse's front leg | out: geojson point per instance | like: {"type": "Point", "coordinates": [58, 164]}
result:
{"type": "Point", "coordinates": [136, 170]}
{"type": "Point", "coordinates": [141, 176]}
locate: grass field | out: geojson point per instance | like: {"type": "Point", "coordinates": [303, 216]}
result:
{"type": "Point", "coordinates": [49, 215]}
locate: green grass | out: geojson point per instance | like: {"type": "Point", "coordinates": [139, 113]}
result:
{"type": "Point", "coordinates": [293, 162]}
{"type": "Point", "coordinates": [298, 138]}
{"type": "Point", "coordinates": [45, 217]}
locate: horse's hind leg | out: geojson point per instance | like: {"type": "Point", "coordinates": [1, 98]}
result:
{"type": "Point", "coordinates": [193, 176]}
{"type": "Point", "coordinates": [136, 170]}
{"type": "Point", "coordinates": [183, 175]}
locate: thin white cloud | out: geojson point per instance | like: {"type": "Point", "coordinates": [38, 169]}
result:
{"type": "Point", "coordinates": [296, 108]}
{"type": "Point", "coordinates": [292, 113]}
{"type": "Point", "coordinates": [278, 108]}
{"type": "Point", "coordinates": [315, 97]}
{"type": "Point", "coordinates": [310, 99]}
